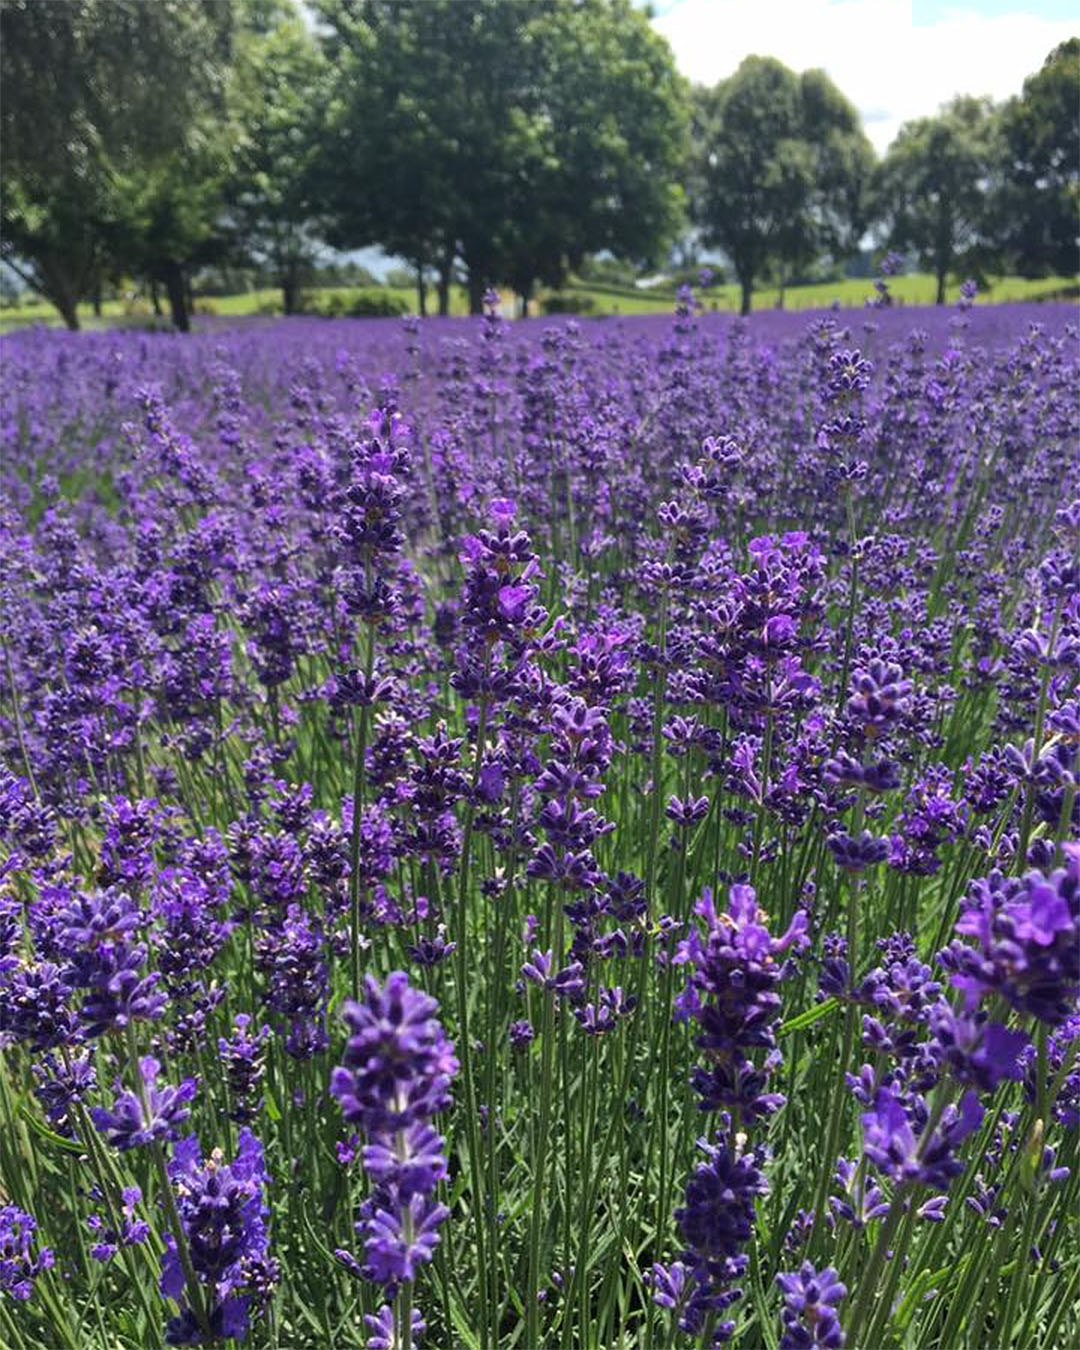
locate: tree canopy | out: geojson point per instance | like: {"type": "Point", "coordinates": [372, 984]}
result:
{"type": "Point", "coordinates": [279, 110]}
{"type": "Point", "coordinates": [104, 101]}
{"type": "Point", "coordinates": [1037, 205]}
{"type": "Point", "coordinates": [934, 184]}
{"type": "Point", "coordinates": [519, 138]}
{"type": "Point", "coordinates": [782, 169]}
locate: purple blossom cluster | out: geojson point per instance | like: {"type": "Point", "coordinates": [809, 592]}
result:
{"type": "Point", "coordinates": [731, 994]}
{"type": "Point", "coordinates": [22, 1258]}
{"type": "Point", "coordinates": [223, 1229]}
{"type": "Point", "coordinates": [395, 1077]}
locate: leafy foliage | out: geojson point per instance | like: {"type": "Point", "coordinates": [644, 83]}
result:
{"type": "Point", "coordinates": [933, 188]}
{"type": "Point", "coordinates": [105, 124]}
{"type": "Point", "coordinates": [1037, 204]}
{"type": "Point", "coordinates": [782, 169]}
{"type": "Point", "coordinates": [518, 137]}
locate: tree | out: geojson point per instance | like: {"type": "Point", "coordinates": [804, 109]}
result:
{"type": "Point", "coordinates": [599, 144]}
{"type": "Point", "coordinates": [166, 217]}
{"type": "Point", "coordinates": [166, 222]}
{"type": "Point", "coordinates": [517, 137]}
{"type": "Point", "coordinates": [278, 108]}
{"type": "Point", "coordinates": [933, 188]}
{"type": "Point", "coordinates": [390, 160]}
{"type": "Point", "coordinates": [97, 96]}
{"type": "Point", "coordinates": [782, 170]}
{"type": "Point", "coordinates": [1035, 211]}
{"type": "Point", "coordinates": [844, 164]}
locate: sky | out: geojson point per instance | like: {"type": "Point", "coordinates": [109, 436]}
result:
{"type": "Point", "coordinates": [895, 59]}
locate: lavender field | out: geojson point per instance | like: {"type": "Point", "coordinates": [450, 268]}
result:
{"type": "Point", "coordinates": [547, 836]}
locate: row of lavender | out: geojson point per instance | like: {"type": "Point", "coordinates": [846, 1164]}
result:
{"type": "Point", "coordinates": [542, 835]}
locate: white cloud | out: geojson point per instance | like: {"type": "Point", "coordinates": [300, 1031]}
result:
{"type": "Point", "coordinates": [891, 68]}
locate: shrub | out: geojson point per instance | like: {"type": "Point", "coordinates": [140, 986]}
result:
{"type": "Point", "coordinates": [377, 305]}
{"type": "Point", "coordinates": [366, 304]}
{"type": "Point", "coordinates": [569, 302]}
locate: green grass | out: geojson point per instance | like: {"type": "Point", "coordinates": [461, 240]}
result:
{"type": "Point", "coordinates": [915, 289]}
{"type": "Point", "coordinates": [918, 288]}
{"type": "Point", "coordinates": [243, 305]}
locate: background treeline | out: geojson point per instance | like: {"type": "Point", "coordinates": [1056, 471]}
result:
{"type": "Point", "coordinates": [505, 143]}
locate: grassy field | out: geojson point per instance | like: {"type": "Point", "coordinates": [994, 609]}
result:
{"type": "Point", "coordinates": [914, 289]}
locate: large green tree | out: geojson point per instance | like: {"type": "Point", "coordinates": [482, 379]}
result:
{"type": "Point", "coordinates": [782, 170]}
{"type": "Point", "coordinates": [394, 168]}
{"type": "Point", "coordinates": [516, 137]}
{"type": "Point", "coordinates": [105, 112]}
{"type": "Point", "coordinates": [933, 188]}
{"type": "Point", "coordinates": [278, 105]}
{"type": "Point", "coordinates": [600, 147]}
{"type": "Point", "coordinates": [1036, 207]}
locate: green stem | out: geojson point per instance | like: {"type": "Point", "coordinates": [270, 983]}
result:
{"type": "Point", "coordinates": [832, 1134]}
{"type": "Point", "coordinates": [465, 1049]}
{"type": "Point", "coordinates": [357, 813]}
{"type": "Point", "coordinates": [853, 597]}
{"type": "Point", "coordinates": [547, 1032]}
{"type": "Point", "coordinates": [1036, 750]}
{"type": "Point", "coordinates": [868, 1281]}
{"type": "Point", "coordinates": [110, 1185]}
{"type": "Point", "coordinates": [168, 1197]}
{"type": "Point", "coordinates": [875, 1333]}
{"type": "Point", "coordinates": [18, 721]}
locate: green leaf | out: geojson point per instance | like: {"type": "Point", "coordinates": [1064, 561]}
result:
{"type": "Point", "coordinates": [808, 1018]}
{"type": "Point", "coordinates": [469, 1339]}
{"type": "Point", "coordinates": [929, 1279]}
{"type": "Point", "coordinates": [760, 1302]}
{"type": "Point", "coordinates": [42, 1130]}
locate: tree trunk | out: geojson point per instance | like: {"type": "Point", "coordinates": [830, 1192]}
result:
{"type": "Point", "coordinates": [941, 276]}
{"type": "Point", "coordinates": [173, 276]}
{"type": "Point", "coordinates": [446, 272]}
{"type": "Point", "coordinates": [288, 290]}
{"type": "Point", "coordinates": [69, 311]}
{"type": "Point", "coordinates": [747, 287]}
{"type": "Point", "coordinates": [95, 299]}
{"type": "Point", "coordinates": [155, 298]}
{"type": "Point", "coordinates": [421, 289]}
{"type": "Point", "coordinates": [58, 286]}
{"type": "Point", "coordinates": [526, 295]}
{"type": "Point", "coordinates": [477, 287]}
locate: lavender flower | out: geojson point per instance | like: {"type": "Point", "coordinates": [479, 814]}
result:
{"type": "Point", "coordinates": [244, 1057]}
{"type": "Point", "coordinates": [398, 1063]}
{"type": "Point", "coordinates": [1022, 941]}
{"type": "Point", "coordinates": [20, 1264]}
{"type": "Point", "coordinates": [396, 1076]}
{"type": "Point", "coordinates": [731, 993]}
{"type": "Point", "coordinates": [715, 1222]}
{"type": "Point", "coordinates": [893, 1145]}
{"type": "Point", "coordinates": [381, 1327]}
{"type": "Point", "coordinates": [223, 1212]}
{"type": "Point", "coordinates": [133, 1231]}
{"type": "Point", "coordinates": [150, 1114]}
{"type": "Point", "coordinates": [809, 1313]}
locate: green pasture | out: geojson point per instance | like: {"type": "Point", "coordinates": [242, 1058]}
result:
{"type": "Point", "coordinates": [914, 289]}
{"type": "Point", "coordinates": [918, 288]}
